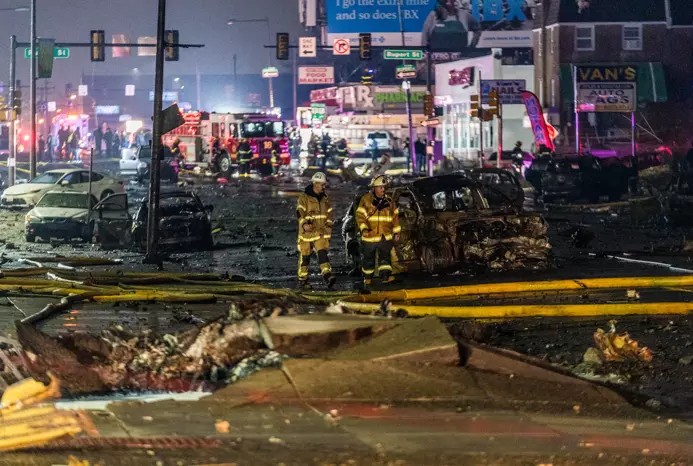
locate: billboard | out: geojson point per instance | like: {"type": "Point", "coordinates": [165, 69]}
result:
{"type": "Point", "coordinates": [441, 25]}
{"type": "Point", "coordinates": [316, 75]}
{"type": "Point", "coordinates": [606, 88]}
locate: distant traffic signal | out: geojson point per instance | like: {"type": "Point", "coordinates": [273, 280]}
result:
{"type": "Point", "coordinates": [365, 43]}
{"type": "Point", "coordinates": [493, 102]}
{"type": "Point", "coordinates": [171, 53]}
{"type": "Point", "coordinates": [98, 49]}
{"type": "Point", "coordinates": [282, 46]}
{"type": "Point", "coordinates": [475, 106]}
{"type": "Point", "coordinates": [17, 101]}
{"type": "Point", "coordinates": [429, 108]}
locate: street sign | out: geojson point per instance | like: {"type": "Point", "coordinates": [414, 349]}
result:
{"type": "Point", "coordinates": [58, 52]}
{"type": "Point", "coordinates": [318, 111]}
{"type": "Point", "coordinates": [307, 47]}
{"type": "Point", "coordinates": [341, 47]}
{"type": "Point", "coordinates": [83, 90]}
{"type": "Point", "coordinates": [129, 90]}
{"type": "Point", "coordinates": [405, 72]}
{"type": "Point", "coordinates": [270, 72]}
{"type": "Point", "coordinates": [51, 106]}
{"type": "Point", "coordinates": [509, 90]}
{"type": "Point", "coordinates": [316, 75]}
{"type": "Point", "coordinates": [390, 54]}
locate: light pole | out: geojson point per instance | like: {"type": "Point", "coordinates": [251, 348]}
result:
{"type": "Point", "coordinates": [32, 93]}
{"type": "Point", "coordinates": [265, 20]}
{"type": "Point", "coordinates": [406, 84]}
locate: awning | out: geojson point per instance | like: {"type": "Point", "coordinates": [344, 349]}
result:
{"type": "Point", "coordinates": [652, 86]}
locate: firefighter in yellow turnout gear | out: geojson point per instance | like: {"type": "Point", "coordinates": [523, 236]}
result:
{"type": "Point", "coordinates": [314, 214]}
{"type": "Point", "coordinates": [377, 218]}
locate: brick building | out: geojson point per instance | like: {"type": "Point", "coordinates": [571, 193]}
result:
{"type": "Point", "coordinates": [654, 36]}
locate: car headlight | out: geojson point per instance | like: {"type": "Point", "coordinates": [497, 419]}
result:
{"type": "Point", "coordinates": [31, 217]}
{"type": "Point", "coordinates": [81, 217]}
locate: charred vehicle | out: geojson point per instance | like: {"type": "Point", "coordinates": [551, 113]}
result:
{"type": "Point", "coordinates": [183, 221]}
{"type": "Point", "coordinates": [448, 224]}
{"type": "Point", "coordinates": [581, 178]}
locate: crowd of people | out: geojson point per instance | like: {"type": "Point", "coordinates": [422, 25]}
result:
{"type": "Point", "coordinates": [68, 144]}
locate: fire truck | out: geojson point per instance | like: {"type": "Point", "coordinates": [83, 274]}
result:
{"type": "Point", "coordinates": [201, 129]}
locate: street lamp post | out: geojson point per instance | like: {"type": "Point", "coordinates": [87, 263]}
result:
{"type": "Point", "coordinates": [32, 93]}
{"type": "Point", "coordinates": [270, 84]}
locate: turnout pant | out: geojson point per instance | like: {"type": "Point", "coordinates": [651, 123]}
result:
{"type": "Point", "coordinates": [370, 250]}
{"type": "Point", "coordinates": [305, 250]}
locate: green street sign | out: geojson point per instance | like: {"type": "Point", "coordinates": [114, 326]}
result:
{"type": "Point", "coordinates": [58, 52]}
{"type": "Point", "coordinates": [390, 54]}
{"type": "Point", "coordinates": [319, 111]}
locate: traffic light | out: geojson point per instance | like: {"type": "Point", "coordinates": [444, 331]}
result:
{"type": "Point", "coordinates": [17, 101]}
{"type": "Point", "coordinates": [367, 76]}
{"type": "Point", "coordinates": [493, 102]}
{"type": "Point", "coordinates": [282, 46]}
{"type": "Point", "coordinates": [171, 53]}
{"type": "Point", "coordinates": [429, 108]}
{"type": "Point", "coordinates": [98, 49]}
{"type": "Point", "coordinates": [476, 110]}
{"type": "Point", "coordinates": [365, 46]}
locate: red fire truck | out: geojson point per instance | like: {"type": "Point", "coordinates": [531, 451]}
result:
{"type": "Point", "coordinates": [198, 133]}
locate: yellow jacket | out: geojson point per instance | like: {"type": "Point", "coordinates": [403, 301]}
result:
{"type": "Point", "coordinates": [315, 210]}
{"type": "Point", "coordinates": [377, 218]}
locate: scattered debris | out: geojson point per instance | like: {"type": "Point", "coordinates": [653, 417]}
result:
{"type": "Point", "coordinates": [222, 426]}
{"type": "Point", "coordinates": [686, 360]}
{"type": "Point", "coordinates": [619, 347]}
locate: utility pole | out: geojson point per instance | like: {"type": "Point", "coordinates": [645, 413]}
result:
{"type": "Point", "coordinates": [12, 159]}
{"type": "Point", "coordinates": [411, 157]}
{"type": "Point", "coordinates": [32, 92]}
{"type": "Point", "coordinates": [152, 256]}
{"type": "Point", "coordinates": [481, 125]}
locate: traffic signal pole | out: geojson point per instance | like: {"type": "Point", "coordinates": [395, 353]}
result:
{"type": "Point", "coordinates": [32, 93]}
{"type": "Point", "coordinates": [12, 159]}
{"type": "Point", "coordinates": [152, 256]}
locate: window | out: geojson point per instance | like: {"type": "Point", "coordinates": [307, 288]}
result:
{"type": "Point", "coordinates": [632, 37]}
{"type": "Point", "coordinates": [584, 38]}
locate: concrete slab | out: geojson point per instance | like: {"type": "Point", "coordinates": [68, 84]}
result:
{"type": "Point", "coordinates": [314, 335]}
{"type": "Point", "coordinates": [423, 340]}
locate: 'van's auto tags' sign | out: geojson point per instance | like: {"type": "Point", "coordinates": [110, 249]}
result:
{"type": "Point", "coordinates": [606, 88]}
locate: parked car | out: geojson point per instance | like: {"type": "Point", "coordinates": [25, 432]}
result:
{"type": "Point", "coordinates": [500, 187]}
{"type": "Point", "coordinates": [507, 160]}
{"type": "Point", "coordinates": [184, 222]}
{"type": "Point", "coordinates": [585, 178]}
{"type": "Point", "coordinates": [448, 223]}
{"type": "Point", "coordinates": [383, 141]}
{"type": "Point", "coordinates": [66, 215]}
{"type": "Point", "coordinates": [131, 159]}
{"type": "Point", "coordinates": [28, 194]}
{"type": "Point", "coordinates": [169, 165]}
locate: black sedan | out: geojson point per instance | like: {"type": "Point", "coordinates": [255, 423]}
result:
{"type": "Point", "coordinates": [184, 221]}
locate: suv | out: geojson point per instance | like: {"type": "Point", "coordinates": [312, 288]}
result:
{"type": "Point", "coordinates": [383, 140]}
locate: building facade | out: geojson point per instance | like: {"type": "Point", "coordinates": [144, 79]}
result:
{"type": "Point", "coordinates": [653, 36]}
{"type": "Point", "coordinates": [456, 82]}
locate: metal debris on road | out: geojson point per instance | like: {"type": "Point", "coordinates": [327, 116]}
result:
{"type": "Point", "coordinates": [619, 347]}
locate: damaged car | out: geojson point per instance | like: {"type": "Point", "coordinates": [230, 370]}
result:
{"type": "Point", "coordinates": [448, 224]}
{"type": "Point", "coordinates": [183, 221]}
{"type": "Point", "coordinates": [67, 215]}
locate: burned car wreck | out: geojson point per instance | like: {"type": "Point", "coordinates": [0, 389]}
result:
{"type": "Point", "coordinates": [460, 222]}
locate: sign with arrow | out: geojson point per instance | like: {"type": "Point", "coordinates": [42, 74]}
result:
{"type": "Point", "coordinates": [307, 47]}
{"type": "Point", "coordinates": [270, 72]}
{"type": "Point", "coordinates": [405, 72]}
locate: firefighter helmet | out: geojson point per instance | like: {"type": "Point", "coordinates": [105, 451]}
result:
{"type": "Point", "coordinates": [319, 177]}
{"type": "Point", "coordinates": [380, 180]}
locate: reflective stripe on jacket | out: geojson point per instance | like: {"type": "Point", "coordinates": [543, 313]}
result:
{"type": "Point", "coordinates": [316, 211]}
{"type": "Point", "coordinates": [377, 218]}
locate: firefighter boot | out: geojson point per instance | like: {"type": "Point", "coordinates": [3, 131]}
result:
{"type": "Point", "coordinates": [386, 277]}
{"type": "Point", "coordinates": [329, 280]}
{"type": "Point", "coordinates": [367, 280]}
{"type": "Point", "coordinates": [303, 285]}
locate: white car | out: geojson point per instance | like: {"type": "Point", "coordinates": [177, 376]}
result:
{"type": "Point", "coordinates": [134, 160]}
{"type": "Point", "coordinates": [28, 194]}
{"type": "Point", "coordinates": [65, 214]}
{"type": "Point", "coordinates": [382, 139]}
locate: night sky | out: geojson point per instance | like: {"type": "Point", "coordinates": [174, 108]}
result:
{"type": "Point", "coordinates": [199, 21]}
